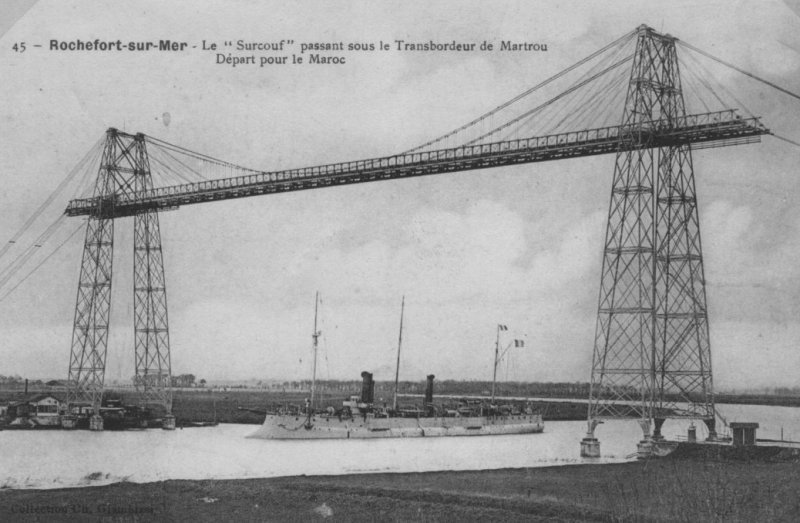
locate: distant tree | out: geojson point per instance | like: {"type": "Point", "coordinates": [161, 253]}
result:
{"type": "Point", "coordinates": [203, 382]}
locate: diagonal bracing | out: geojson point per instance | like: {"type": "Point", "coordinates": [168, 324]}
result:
{"type": "Point", "coordinates": [652, 356]}
{"type": "Point", "coordinates": [124, 173]}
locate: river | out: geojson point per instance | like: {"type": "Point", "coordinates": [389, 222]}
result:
{"type": "Point", "coordinates": [55, 459]}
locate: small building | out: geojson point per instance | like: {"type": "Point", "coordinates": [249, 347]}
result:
{"type": "Point", "coordinates": [744, 433]}
{"type": "Point", "coordinates": [18, 409]}
{"type": "Point", "coordinates": [45, 404]}
{"type": "Point", "coordinates": [41, 410]}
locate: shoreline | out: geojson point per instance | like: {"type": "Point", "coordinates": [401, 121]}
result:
{"type": "Point", "coordinates": [711, 482]}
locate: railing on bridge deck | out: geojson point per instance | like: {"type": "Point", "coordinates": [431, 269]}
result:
{"type": "Point", "coordinates": [706, 130]}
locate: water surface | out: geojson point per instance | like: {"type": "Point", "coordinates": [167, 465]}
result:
{"type": "Point", "coordinates": [54, 459]}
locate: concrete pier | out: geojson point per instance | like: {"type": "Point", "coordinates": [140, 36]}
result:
{"type": "Point", "coordinates": [644, 449]}
{"type": "Point", "coordinates": [590, 446]}
{"type": "Point", "coordinates": [168, 423]}
{"type": "Point", "coordinates": [69, 422]}
{"type": "Point", "coordinates": [96, 422]}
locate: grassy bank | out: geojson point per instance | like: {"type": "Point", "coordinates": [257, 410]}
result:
{"type": "Point", "coordinates": [708, 487]}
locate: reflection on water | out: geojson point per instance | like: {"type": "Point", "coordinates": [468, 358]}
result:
{"type": "Point", "coordinates": [52, 459]}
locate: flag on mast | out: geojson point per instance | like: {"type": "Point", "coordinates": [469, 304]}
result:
{"type": "Point", "coordinates": [519, 343]}
{"type": "Point", "coordinates": [502, 327]}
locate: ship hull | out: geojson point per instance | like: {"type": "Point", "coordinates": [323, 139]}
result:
{"type": "Point", "coordinates": [281, 426]}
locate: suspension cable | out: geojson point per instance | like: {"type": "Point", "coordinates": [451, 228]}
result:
{"type": "Point", "coordinates": [576, 106]}
{"type": "Point", "coordinates": [582, 109]}
{"type": "Point", "coordinates": [16, 265]}
{"type": "Point", "coordinates": [199, 156]}
{"type": "Point", "coordinates": [40, 210]}
{"type": "Point", "coordinates": [623, 39]}
{"type": "Point", "coordinates": [703, 78]}
{"type": "Point", "coordinates": [690, 85]}
{"type": "Point", "coordinates": [549, 102]}
{"type": "Point", "coordinates": [725, 90]}
{"type": "Point", "coordinates": [50, 255]}
{"type": "Point", "coordinates": [167, 168]}
{"type": "Point", "coordinates": [167, 153]}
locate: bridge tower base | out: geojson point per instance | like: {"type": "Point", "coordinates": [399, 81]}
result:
{"type": "Point", "coordinates": [124, 176]}
{"type": "Point", "coordinates": [96, 422]}
{"type": "Point", "coordinates": [590, 446]}
{"type": "Point", "coordinates": [168, 422]}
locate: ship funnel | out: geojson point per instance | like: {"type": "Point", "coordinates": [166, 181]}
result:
{"type": "Point", "coordinates": [367, 387]}
{"type": "Point", "coordinates": [429, 390]}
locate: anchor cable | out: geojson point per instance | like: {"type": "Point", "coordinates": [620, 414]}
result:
{"type": "Point", "coordinates": [79, 167]}
{"type": "Point", "coordinates": [738, 69]}
{"type": "Point", "coordinates": [787, 140]}
{"type": "Point", "coordinates": [36, 268]}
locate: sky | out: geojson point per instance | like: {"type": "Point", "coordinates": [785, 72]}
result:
{"type": "Point", "coordinates": [516, 245]}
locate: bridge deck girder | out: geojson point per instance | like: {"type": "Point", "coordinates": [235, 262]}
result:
{"type": "Point", "coordinates": [719, 128]}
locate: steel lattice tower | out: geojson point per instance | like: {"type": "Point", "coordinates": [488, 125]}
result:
{"type": "Point", "coordinates": [87, 361]}
{"type": "Point", "coordinates": [651, 355]}
{"type": "Point", "coordinates": [151, 328]}
{"type": "Point", "coordinates": [124, 172]}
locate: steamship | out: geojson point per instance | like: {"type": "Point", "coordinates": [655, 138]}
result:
{"type": "Point", "coordinates": [359, 417]}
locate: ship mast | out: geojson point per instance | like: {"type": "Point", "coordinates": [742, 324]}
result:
{"type": "Point", "coordinates": [397, 367]}
{"type": "Point", "coordinates": [496, 354]}
{"type": "Point", "coordinates": [315, 336]}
